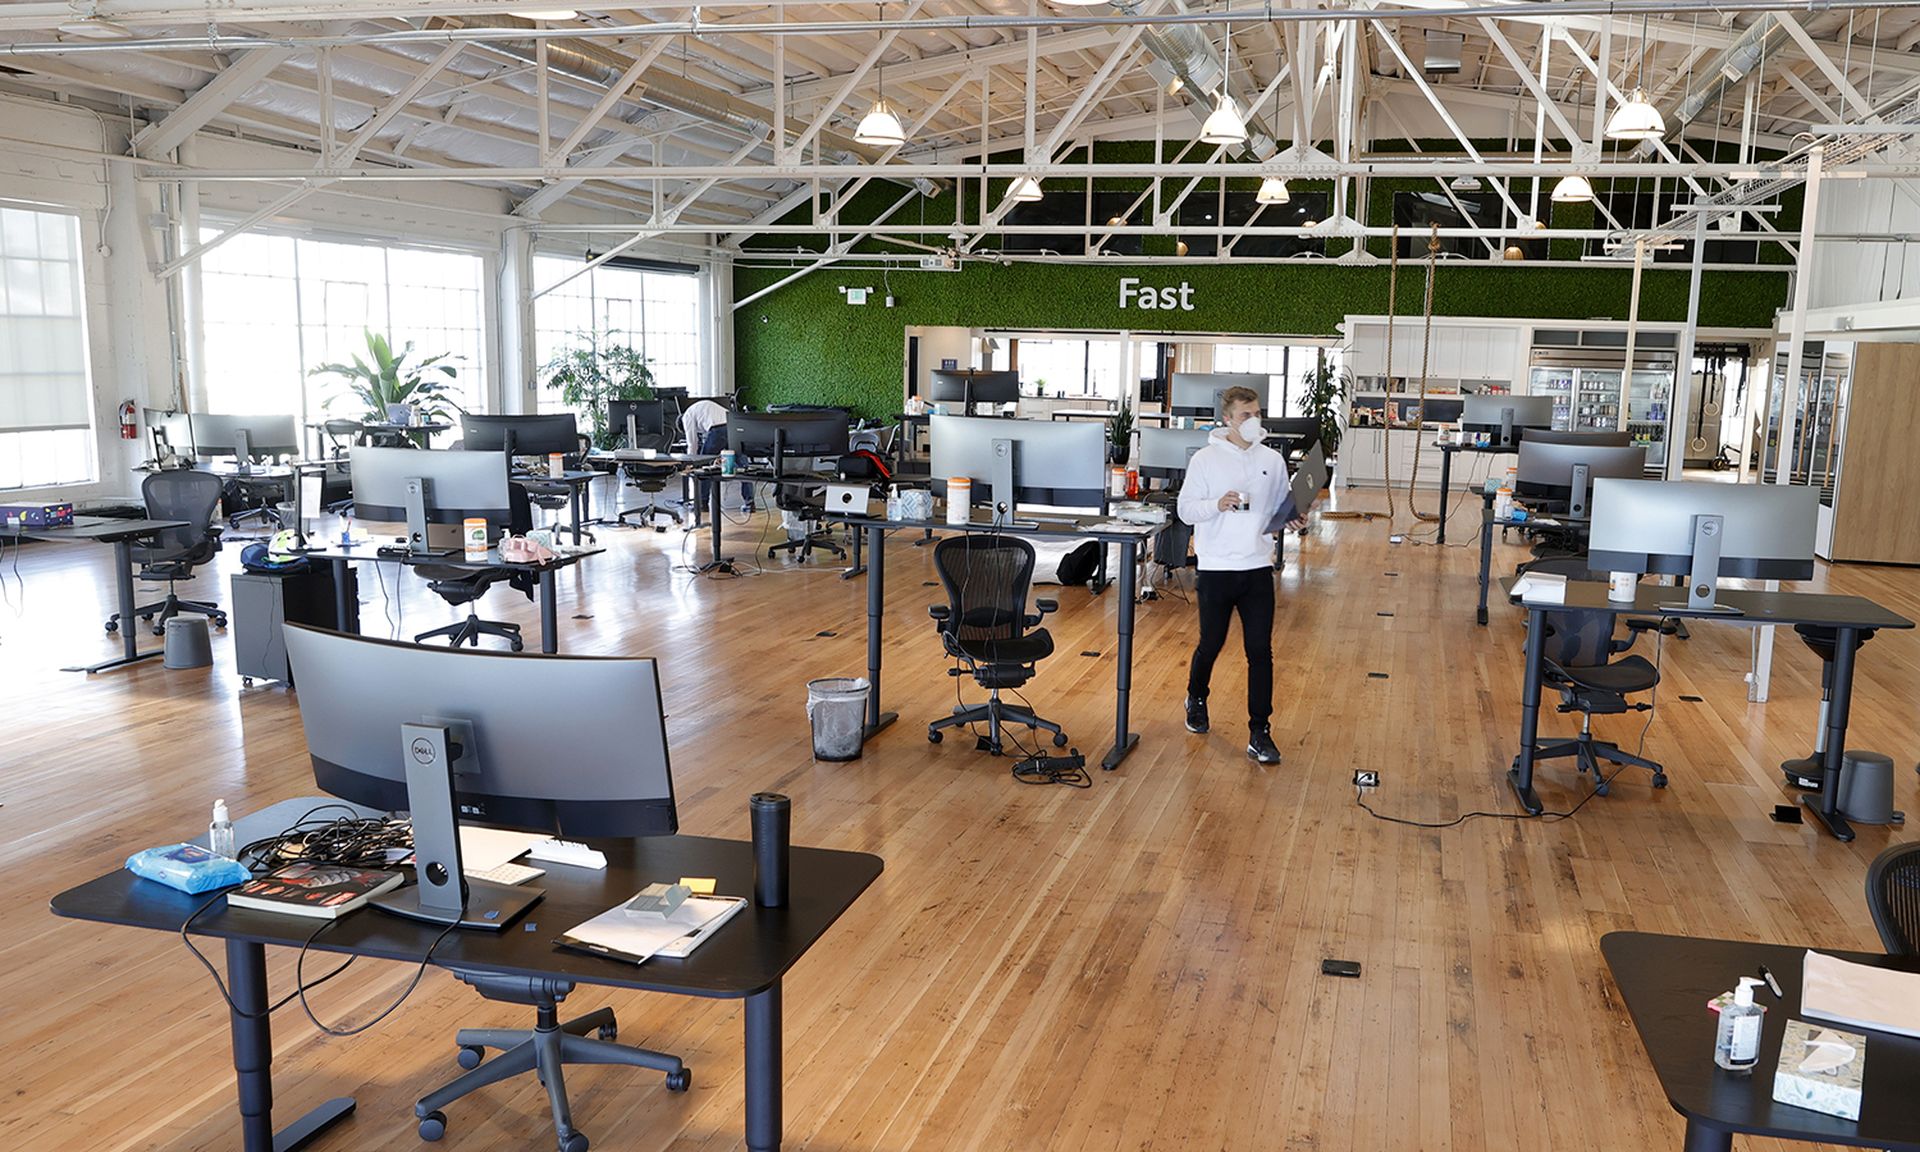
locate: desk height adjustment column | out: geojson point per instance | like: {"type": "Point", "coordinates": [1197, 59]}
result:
{"type": "Point", "coordinates": [1123, 739]}
{"type": "Point", "coordinates": [771, 817]}
{"type": "Point", "coordinates": [876, 609]}
{"type": "Point", "coordinates": [253, 1060]}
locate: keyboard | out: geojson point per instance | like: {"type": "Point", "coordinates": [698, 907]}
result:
{"type": "Point", "coordinates": [509, 874]}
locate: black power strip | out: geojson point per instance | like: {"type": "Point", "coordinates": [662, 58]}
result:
{"type": "Point", "coordinates": [1070, 770]}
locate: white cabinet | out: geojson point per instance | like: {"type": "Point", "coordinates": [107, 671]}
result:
{"type": "Point", "coordinates": [1365, 452]}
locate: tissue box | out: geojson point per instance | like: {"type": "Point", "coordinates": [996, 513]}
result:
{"type": "Point", "coordinates": [1821, 1069]}
{"type": "Point", "coordinates": [36, 515]}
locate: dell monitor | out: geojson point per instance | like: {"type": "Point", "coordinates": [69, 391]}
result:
{"type": "Point", "coordinates": [171, 432]}
{"type": "Point", "coordinates": [456, 734]}
{"type": "Point", "coordinates": [1062, 463]}
{"type": "Point", "coordinates": [521, 435]}
{"type": "Point", "coordinates": [1292, 434]}
{"type": "Point", "coordinates": [1198, 393]}
{"type": "Point", "coordinates": [1566, 472]}
{"type": "Point", "coordinates": [1164, 452]}
{"type": "Point", "coordinates": [1704, 531]}
{"type": "Point", "coordinates": [1592, 436]}
{"type": "Point", "coordinates": [242, 437]}
{"type": "Point", "coordinates": [430, 491]}
{"type": "Point", "coordinates": [1504, 416]}
{"type": "Point", "coordinates": [977, 386]}
{"type": "Point", "coordinates": [631, 419]}
{"type": "Point", "coordinates": [779, 436]}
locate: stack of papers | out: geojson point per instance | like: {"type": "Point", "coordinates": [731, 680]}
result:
{"type": "Point", "coordinates": [1860, 995]}
{"type": "Point", "coordinates": [639, 936]}
{"type": "Point", "coordinates": [1541, 588]}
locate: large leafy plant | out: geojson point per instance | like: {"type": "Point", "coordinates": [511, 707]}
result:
{"type": "Point", "coordinates": [386, 377]}
{"type": "Point", "coordinates": [1323, 392]}
{"type": "Point", "coordinates": [594, 369]}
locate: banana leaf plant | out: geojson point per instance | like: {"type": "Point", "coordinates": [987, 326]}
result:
{"type": "Point", "coordinates": [386, 378]}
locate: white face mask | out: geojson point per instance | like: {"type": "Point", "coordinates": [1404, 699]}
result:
{"type": "Point", "coordinates": [1251, 430]}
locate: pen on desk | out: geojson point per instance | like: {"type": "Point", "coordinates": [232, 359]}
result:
{"type": "Point", "coordinates": [1771, 982]}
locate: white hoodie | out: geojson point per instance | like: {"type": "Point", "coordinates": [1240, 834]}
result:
{"type": "Point", "coordinates": [1233, 541]}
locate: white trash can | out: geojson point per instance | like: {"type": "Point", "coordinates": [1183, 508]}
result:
{"type": "Point", "coordinates": [837, 710]}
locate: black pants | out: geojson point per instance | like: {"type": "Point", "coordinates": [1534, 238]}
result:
{"type": "Point", "coordinates": [1251, 594]}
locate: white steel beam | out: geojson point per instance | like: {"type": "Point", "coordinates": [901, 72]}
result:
{"type": "Point", "coordinates": [1819, 57]}
{"type": "Point", "coordinates": [852, 80]}
{"type": "Point", "coordinates": [211, 100]}
{"type": "Point", "coordinates": [394, 107]}
{"type": "Point", "coordinates": [608, 99]}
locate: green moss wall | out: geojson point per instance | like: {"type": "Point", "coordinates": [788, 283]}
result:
{"type": "Point", "coordinates": [804, 343]}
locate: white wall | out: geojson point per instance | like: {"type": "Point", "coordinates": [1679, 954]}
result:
{"type": "Point", "coordinates": [1854, 272]}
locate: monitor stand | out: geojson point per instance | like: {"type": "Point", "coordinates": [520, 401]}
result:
{"type": "Point", "coordinates": [633, 431]}
{"type": "Point", "coordinates": [417, 536]}
{"type": "Point", "coordinates": [437, 897]}
{"type": "Point", "coordinates": [1577, 492]}
{"type": "Point", "coordinates": [1003, 489]}
{"type": "Point", "coordinates": [242, 452]}
{"type": "Point", "coordinates": [1708, 534]}
{"type": "Point", "coordinates": [1506, 427]}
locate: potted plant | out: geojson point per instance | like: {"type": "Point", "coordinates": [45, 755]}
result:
{"type": "Point", "coordinates": [594, 369]}
{"type": "Point", "coordinates": [1323, 394]}
{"type": "Point", "coordinates": [395, 391]}
{"type": "Point", "coordinates": [1120, 433]}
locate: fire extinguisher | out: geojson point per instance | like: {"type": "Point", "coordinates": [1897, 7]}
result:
{"type": "Point", "coordinates": [129, 426]}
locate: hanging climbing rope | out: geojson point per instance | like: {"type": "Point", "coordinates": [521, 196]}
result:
{"type": "Point", "coordinates": [1426, 357]}
{"type": "Point", "coordinates": [1386, 405]}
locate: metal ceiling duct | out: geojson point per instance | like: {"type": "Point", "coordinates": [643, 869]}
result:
{"type": "Point", "coordinates": [1192, 57]}
{"type": "Point", "coordinates": [1728, 69]}
{"type": "Point", "coordinates": [590, 63]}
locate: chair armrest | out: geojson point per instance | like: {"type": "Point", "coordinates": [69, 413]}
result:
{"type": "Point", "coordinates": [1047, 604]}
{"type": "Point", "coordinates": [940, 612]}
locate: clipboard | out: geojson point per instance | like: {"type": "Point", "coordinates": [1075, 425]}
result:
{"type": "Point", "coordinates": [1309, 480]}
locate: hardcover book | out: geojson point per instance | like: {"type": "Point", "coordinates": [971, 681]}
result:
{"type": "Point", "coordinates": [326, 891]}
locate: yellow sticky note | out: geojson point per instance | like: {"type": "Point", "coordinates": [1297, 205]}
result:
{"type": "Point", "coordinates": [701, 885]}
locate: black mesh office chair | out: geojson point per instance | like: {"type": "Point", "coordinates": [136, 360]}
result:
{"type": "Point", "coordinates": [1893, 896]}
{"type": "Point", "coordinates": [808, 507]}
{"type": "Point", "coordinates": [985, 626]}
{"type": "Point", "coordinates": [177, 494]}
{"type": "Point", "coordinates": [459, 586]}
{"type": "Point", "coordinates": [1579, 662]}
{"type": "Point", "coordinates": [650, 478]}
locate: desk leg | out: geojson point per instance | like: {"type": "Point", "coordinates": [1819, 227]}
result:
{"type": "Point", "coordinates": [763, 1070]}
{"type": "Point", "coordinates": [858, 537]}
{"type": "Point", "coordinates": [1446, 487]}
{"type": "Point", "coordinates": [1520, 776]}
{"type": "Point", "coordinates": [715, 561]}
{"type": "Point", "coordinates": [341, 570]}
{"type": "Point", "coordinates": [549, 614]}
{"type": "Point", "coordinates": [1701, 1138]}
{"type": "Point", "coordinates": [253, 1061]}
{"type": "Point", "coordinates": [1486, 560]}
{"type": "Point", "coordinates": [1123, 740]}
{"type": "Point", "coordinates": [1825, 807]}
{"type": "Point", "coordinates": [129, 624]}
{"type": "Point", "coordinates": [876, 611]}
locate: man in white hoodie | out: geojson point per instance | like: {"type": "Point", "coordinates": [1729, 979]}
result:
{"type": "Point", "coordinates": [1233, 489]}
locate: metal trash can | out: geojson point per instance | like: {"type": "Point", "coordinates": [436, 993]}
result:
{"type": "Point", "coordinates": [187, 643]}
{"type": "Point", "coordinates": [1866, 787]}
{"type": "Point", "coordinates": [837, 710]}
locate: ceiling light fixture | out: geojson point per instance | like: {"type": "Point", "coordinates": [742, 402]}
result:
{"type": "Point", "coordinates": [1637, 119]}
{"type": "Point", "coordinates": [1224, 126]}
{"type": "Point", "coordinates": [1273, 190]}
{"type": "Point", "coordinates": [880, 128]}
{"type": "Point", "coordinates": [1024, 190]}
{"type": "Point", "coordinates": [1572, 190]}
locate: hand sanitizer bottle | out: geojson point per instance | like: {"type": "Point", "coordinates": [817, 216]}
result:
{"type": "Point", "coordinates": [220, 832]}
{"type": "Point", "coordinates": [1736, 1047]}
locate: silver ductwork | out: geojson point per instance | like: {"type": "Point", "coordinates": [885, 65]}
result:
{"type": "Point", "coordinates": [1184, 53]}
{"type": "Point", "coordinates": [1728, 69]}
{"type": "Point", "coordinates": [590, 63]}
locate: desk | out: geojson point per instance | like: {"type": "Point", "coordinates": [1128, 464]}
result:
{"type": "Point", "coordinates": [1846, 615]}
{"type": "Point", "coordinates": [1488, 524]}
{"type": "Point", "coordinates": [121, 534]}
{"type": "Point", "coordinates": [876, 529]}
{"type": "Point", "coordinates": [418, 433]}
{"type": "Point", "coordinates": [343, 555]}
{"type": "Point", "coordinates": [1154, 417]}
{"type": "Point", "coordinates": [1666, 982]}
{"type": "Point", "coordinates": [792, 478]}
{"type": "Point", "coordinates": [1446, 484]}
{"type": "Point", "coordinates": [577, 480]}
{"type": "Point", "coordinates": [745, 959]}
{"type": "Point", "coordinates": [683, 463]}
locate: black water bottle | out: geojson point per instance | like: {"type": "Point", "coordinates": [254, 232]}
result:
{"type": "Point", "coordinates": [772, 816]}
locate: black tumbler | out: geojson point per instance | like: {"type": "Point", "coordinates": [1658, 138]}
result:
{"type": "Point", "coordinates": [772, 816]}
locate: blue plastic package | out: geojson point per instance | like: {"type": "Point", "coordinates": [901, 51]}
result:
{"type": "Point", "coordinates": [187, 867]}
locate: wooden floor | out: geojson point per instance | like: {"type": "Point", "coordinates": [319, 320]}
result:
{"type": "Point", "coordinates": [1132, 966]}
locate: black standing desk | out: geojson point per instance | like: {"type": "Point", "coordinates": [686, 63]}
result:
{"type": "Point", "coordinates": [342, 556]}
{"type": "Point", "coordinates": [1848, 616]}
{"type": "Point", "coordinates": [876, 529]}
{"type": "Point", "coordinates": [745, 959]}
{"type": "Point", "coordinates": [577, 480]}
{"type": "Point", "coordinates": [121, 534]}
{"type": "Point", "coordinates": [1666, 982]}
{"type": "Point", "coordinates": [715, 480]}
{"type": "Point", "coordinates": [1446, 477]}
{"type": "Point", "coordinates": [1488, 525]}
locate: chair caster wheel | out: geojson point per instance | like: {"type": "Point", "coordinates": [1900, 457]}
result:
{"type": "Point", "coordinates": [934, 737]}
{"type": "Point", "coordinates": [470, 1057]}
{"type": "Point", "coordinates": [220, 622]}
{"type": "Point", "coordinates": [680, 1081]}
{"type": "Point", "coordinates": [1659, 779]}
{"type": "Point", "coordinates": [246, 681]}
{"type": "Point", "coordinates": [609, 1033]}
{"type": "Point", "coordinates": [1600, 789]}
{"type": "Point", "coordinates": [1059, 739]}
{"type": "Point", "coordinates": [113, 626]}
{"type": "Point", "coordinates": [146, 617]}
{"type": "Point", "coordinates": [574, 1142]}
{"type": "Point", "coordinates": [433, 1126]}
{"type": "Point", "coordinates": [158, 631]}
{"type": "Point", "coordinates": [517, 646]}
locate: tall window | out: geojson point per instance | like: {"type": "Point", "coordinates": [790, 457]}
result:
{"type": "Point", "coordinates": [654, 311]}
{"type": "Point", "coordinates": [1066, 365]}
{"type": "Point", "coordinates": [278, 307]}
{"type": "Point", "coordinates": [46, 413]}
{"type": "Point", "coordinates": [1283, 365]}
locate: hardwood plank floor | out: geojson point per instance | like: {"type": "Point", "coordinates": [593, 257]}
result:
{"type": "Point", "coordinates": [1132, 966]}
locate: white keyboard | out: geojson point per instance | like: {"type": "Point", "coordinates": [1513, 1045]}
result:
{"type": "Point", "coordinates": [509, 874]}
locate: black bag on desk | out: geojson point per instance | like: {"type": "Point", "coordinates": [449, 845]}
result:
{"type": "Point", "coordinates": [863, 465]}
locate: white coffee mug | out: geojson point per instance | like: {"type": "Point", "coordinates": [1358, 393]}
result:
{"type": "Point", "coordinates": [1620, 588]}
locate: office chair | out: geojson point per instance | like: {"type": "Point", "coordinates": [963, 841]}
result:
{"type": "Point", "coordinates": [254, 498]}
{"type": "Point", "coordinates": [986, 628]}
{"type": "Point", "coordinates": [1805, 772]}
{"type": "Point", "coordinates": [651, 479]}
{"type": "Point", "coordinates": [1579, 662]}
{"type": "Point", "coordinates": [808, 508]}
{"type": "Point", "coordinates": [341, 436]}
{"type": "Point", "coordinates": [1893, 896]}
{"type": "Point", "coordinates": [544, 1050]}
{"type": "Point", "coordinates": [459, 586]}
{"type": "Point", "coordinates": [177, 494]}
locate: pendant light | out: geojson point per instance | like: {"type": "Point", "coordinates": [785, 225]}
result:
{"type": "Point", "coordinates": [880, 127]}
{"type": "Point", "coordinates": [1637, 119]}
{"type": "Point", "coordinates": [1273, 190]}
{"type": "Point", "coordinates": [1224, 125]}
{"type": "Point", "coordinates": [1024, 190]}
{"type": "Point", "coordinates": [1572, 190]}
